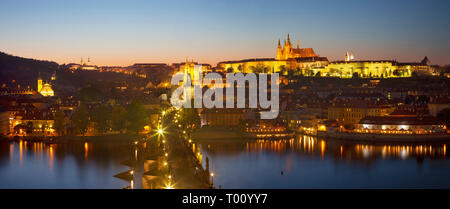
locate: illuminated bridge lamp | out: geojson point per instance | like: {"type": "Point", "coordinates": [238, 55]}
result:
{"type": "Point", "coordinates": [169, 186]}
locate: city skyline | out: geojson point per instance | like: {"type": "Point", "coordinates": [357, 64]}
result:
{"type": "Point", "coordinates": [114, 33]}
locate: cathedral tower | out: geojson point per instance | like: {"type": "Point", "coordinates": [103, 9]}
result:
{"type": "Point", "coordinates": [39, 83]}
{"type": "Point", "coordinates": [279, 53]}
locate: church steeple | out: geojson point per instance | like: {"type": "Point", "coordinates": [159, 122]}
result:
{"type": "Point", "coordinates": [279, 51]}
{"type": "Point", "coordinates": [39, 83]}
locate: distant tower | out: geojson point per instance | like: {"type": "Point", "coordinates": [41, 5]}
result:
{"type": "Point", "coordinates": [351, 56]}
{"type": "Point", "coordinates": [279, 53]}
{"type": "Point", "coordinates": [425, 61]}
{"type": "Point", "coordinates": [81, 62]}
{"type": "Point", "coordinates": [347, 57]}
{"type": "Point", "coordinates": [39, 83]}
{"type": "Point", "coordinates": [298, 44]}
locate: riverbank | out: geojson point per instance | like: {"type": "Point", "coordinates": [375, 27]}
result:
{"type": "Point", "coordinates": [410, 138]}
{"type": "Point", "coordinates": [216, 133]}
{"type": "Point", "coordinates": [65, 139]}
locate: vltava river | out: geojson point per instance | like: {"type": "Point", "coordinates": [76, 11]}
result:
{"type": "Point", "coordinates": [302, 162]}
{"type": "Point", "coordinates": [69, 165]}
{"type": "Point", "coordinates": [308, 162]}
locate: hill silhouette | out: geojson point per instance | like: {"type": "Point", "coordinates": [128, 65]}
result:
{"type": "Point", "coordinates": [23, 69]}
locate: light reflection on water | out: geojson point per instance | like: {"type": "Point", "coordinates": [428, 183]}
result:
{"type": "Point", "coordinates": [308, 162]}
{"type": "Point", "coordinates": [71, 165]}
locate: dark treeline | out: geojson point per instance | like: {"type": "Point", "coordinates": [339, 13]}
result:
{"type": "Point", "coordinates": [102, 118]}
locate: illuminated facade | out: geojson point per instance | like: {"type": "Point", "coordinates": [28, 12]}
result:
{"type": "Point", "coordinates": [352, 112]}
{"type": "Point", "coordinates": [288, 51]}
{"type": "Point", "coordinates": [373, 68]}
{"type": "Point", "coordinates": [45, 89]}
{"type": "Point", "coordinates": [400, 124]}
{"type": "Point", "coordinates": [306, 62]}
{"type": "Point", "coordinates": [287, 59]}
{"type": "Point", "coordinates": [222, 117]}
{"type": "Point", "coordinates": [188, 68]}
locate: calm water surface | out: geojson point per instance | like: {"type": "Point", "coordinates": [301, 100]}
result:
{"type": "Point", "coordinates": [71, 165]}
{"type": "Point", "coordinates": [308, 162]}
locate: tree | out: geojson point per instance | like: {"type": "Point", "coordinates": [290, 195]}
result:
{"type": "Point", "coordinates": [423, 99]}
{"type": "Point", "coordinates": [137, 116]}
{"type": "Point", "coordinates": [90, 94]}
{"type": "Point", "coordinates": [29, 127]}
{"type": "Point", "coordinates": [349, 126]}
{"type": "Point", "coordinates": [240, 68]}
{"type": "Point", "coordinates": [118, 118]}
{"type": "Point", "coordinates": [80, 119]}
{"type": "Point", "coordinates": [189, 117]}
{"type": "Point", "coordinates": [283, 70]}
{"type": "Point", "coordinates": [101, 117]}
{"type": "Point", "coordinates": [444, 115]}
{"type": "Point", "coordinates": [59, 123]}
{"type": "Point", "coordinates": [409, 99]}
{"type": "Point", "coordinates": [260, 68]}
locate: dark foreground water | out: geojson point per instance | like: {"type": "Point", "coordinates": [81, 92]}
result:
{"type": "Point", "coordinates": [70, 165]}
{"type": "Point", "coordinates": [306, 162]}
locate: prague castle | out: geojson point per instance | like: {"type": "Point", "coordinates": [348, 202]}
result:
{"type": "Point", "coordinates": [304, 61]}
{"type": "Point", "coordinates": [287, 59]}
{"type": "Point", "coordinates": [288, 51]}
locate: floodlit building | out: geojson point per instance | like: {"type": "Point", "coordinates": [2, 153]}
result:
{"type": "Point", "coordinates": [45, 89]}
{"type": "Point", "coordinates": [352, 111]}
{"type": "Point", "coordinates": [287, 59]}
{"type": "Point", "coordinates": [400, 124]}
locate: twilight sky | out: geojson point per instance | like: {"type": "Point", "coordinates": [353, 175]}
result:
{"type": "Point", "coordinates": [113, 32]}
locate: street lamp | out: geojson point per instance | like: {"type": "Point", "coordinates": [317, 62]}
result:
{"type": "Point", "coordinates": [212, 178]}
{"type": "Point", "coordinates": [169, 186]}
{"type": "Point", "coordinates": [132, 178]}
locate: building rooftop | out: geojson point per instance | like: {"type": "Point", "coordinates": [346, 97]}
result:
{"type": "Point", "coordinates": [400, 120]}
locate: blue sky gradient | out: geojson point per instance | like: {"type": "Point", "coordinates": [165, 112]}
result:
{"type": "Point", "coordinates": [124, 32]}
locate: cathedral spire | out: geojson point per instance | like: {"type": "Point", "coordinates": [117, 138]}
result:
{"type": "Point", "coordinates": [288, 40]}
{"type": "Point", "coordinates": [298, 44]}
{"type": "Point", "coordinates": [279, 45]}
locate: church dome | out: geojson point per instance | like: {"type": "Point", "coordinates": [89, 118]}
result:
{"type": "Point", "coordinates": [47, 90]}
